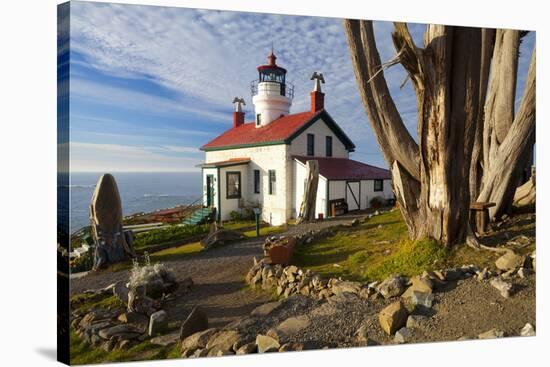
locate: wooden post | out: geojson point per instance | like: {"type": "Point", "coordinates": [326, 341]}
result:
{"type": "Point", "coordinates": [307, 209]}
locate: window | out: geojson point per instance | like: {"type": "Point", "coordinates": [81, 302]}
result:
{"type": "Point", "coordinates": [256, 181]}
{"type": "Point", "coordinates": [272, 182]}
{"type": "Point", "coordinates": [378, 185]}
{"type": "Point", "coordinates": [258, 119]}
{"type": "Point", "coordinates": [310, 144]}
{"type": "Point", "coordinates": [328, 144]}
{"type": "Point", "coordinates": [233, 185]}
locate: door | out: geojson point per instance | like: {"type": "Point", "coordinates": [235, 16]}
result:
{"type": "Point", "coordinates": [209, 190]}
{"type": "Point", "coordinates": [353, 193]}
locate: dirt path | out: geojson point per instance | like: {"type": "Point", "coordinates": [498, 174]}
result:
{"type": "Point", "coordinates": [218, 276]}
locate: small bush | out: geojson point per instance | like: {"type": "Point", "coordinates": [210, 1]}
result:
{"type": "Point", "coordinates": [235, 216]}
{"type": "Point", "coordinates": [377, 202]}
{"type": "Point", "coordinates": [150, 274]}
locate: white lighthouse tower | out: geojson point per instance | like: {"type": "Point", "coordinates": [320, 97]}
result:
{"type": "Point", "coordinates": [271, 94]}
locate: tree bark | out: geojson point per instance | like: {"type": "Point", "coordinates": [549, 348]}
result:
{"type": "Point", "coordinates": [307, 209]}
{"type": "Point", "coordinates": [429, 183]}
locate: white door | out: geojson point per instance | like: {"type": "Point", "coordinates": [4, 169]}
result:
{"type": "Point", "coordinates": [353, 194]}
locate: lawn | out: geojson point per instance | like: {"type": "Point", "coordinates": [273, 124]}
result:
{"type": "Point", "coordinates": [381, 247]}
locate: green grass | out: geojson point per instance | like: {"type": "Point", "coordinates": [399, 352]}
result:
{"type": "Point", "coordinates": [82, 353]}
{"type": "Point", "coordinates": [176, 253]}
{"type": "Point", "coordinates": [88, 301]}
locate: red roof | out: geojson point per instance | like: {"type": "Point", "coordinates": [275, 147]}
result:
{"type": "Point", "coordinates": [248, 134]}
{"type": "Point", "coordinates": [347, 169]}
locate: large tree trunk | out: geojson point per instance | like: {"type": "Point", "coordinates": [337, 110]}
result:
{"type": "Point", "coordinates": [307, 209]}
{"type": "Point", "coordinates": [508, 140]}
{"type": "Point", "coordinates": [431, 179]}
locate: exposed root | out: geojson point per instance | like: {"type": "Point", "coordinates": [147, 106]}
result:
{"type": "Point", "coordinates": [473, 242]}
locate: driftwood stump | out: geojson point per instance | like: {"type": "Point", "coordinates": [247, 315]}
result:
{"type": "Point", "coordinates": [307, 209]}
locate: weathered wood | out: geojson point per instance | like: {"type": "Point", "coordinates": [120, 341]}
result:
{"type": "Point", "coordinates": [307, 209]}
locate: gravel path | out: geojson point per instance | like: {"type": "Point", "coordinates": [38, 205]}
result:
{"type": "Point", "coordinates": [218, 275]}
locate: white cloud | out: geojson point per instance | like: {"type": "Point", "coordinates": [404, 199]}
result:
{"type": "Point", "coordinates": [90, 157]}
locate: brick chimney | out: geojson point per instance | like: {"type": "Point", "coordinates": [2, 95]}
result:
{"type": "Point", "coordinates": [317, 101]}
{"type": "Point", "coordinates": [238, 118]}
{"type": "Point", "coordinates": [238, 114]}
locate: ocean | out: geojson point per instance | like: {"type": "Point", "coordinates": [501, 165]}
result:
{"type": "Point", "coordinates": [139, 192]}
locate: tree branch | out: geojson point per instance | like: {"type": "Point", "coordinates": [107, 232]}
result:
{"type": "Point", "coordinates": [395, 141]}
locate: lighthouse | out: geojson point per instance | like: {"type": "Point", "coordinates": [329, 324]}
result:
{"type": "Point", "coordinates": [271, 93]}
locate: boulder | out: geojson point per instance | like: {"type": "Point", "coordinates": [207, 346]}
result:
{"type": "Point", "coordinates": [267, 344]}
{"type": "Point", "coordinates": [528, 330]}
{"type": "Point", "coordinates": [247, 349]}
{"type": "Point", "coordinates": [503, 287]}
{"type": "Point", "coordinates": [509, 261]}
{"type": "Point", "coordinates": [418, 284]}
{"type": "Point", "coordinates": [166, 340]}
{"type": "Point", "coordinates": [393, 317]}
{"type": "Point", "coordinates": [196, 321]}
{"type": "Point", "coordinates": [416, 321]}
{"type": "Point", "coordinates": [491, 334]}
{"type": "Point", "coordinates": [121, 291]}
{"type": "Point", "coordinates": [158, 323]}
{"type": "Point", "coordinates": [293, 325]}
{"type": "Point", "coordinates": [422, 299]}
{"type": "Point", "coordinates": [524, 272]}
{"type": "Point", "coordinates": [135, 318]}
{"type": "Point", "coordinates": [402, 335]}
{"type": "Point", "coordinates": [129, 330]}
{"type": "Point", "coordinates": [392, 287]}
{"type": "Point", "coordinates": [198, 340]}
{"type": "Point", "coordinates": [224, 339]}
{"type": "Point", "coordinates": [343, 286]}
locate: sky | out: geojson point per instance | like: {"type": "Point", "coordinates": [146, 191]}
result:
{"type": "Point", "coordinates": [149, 85]}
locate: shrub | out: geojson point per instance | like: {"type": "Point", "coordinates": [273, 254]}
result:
{"type": "Point", "coordinates": [152, 276]}
{"type": "Point", "coordinates": [377, 202]}
{"type": "Point", "coordinates": [235, 216]}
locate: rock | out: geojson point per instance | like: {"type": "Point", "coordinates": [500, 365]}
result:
{"type": "Point", "coordinates": [276, 334]}
{"type": "Point", "coordinates": [247, 349]}
{"type": "Point", "coordinates": [129, 331]}
{"type": "Point", "coordinates": [198, 340]}
{"type": "Point", "coordinates": [361, 335]}
{"type": "Point", "coordinates": [224, 339]}
{"type": "Point", "coordinates": [196, 321]}
{"type": "Point", "coordinates": [158, 323]}
{"type": "Point", "coordinates": [289, 347]}
{"type": "Point", "coordinates": [123, 344]}
{"type": "Point", "coordinates": [108, 345]}
{"type": "Point", "coordinates": [416, 321]}
{"type": "Point", "coordinates": [393, 317]}
{"type": "Point", "coordinates": [265, 309]}
{"type": "Point", "coordinates": [121, 291]}
{"type": "Point", "coordinates": [528, 330]}
{"type": "Point", "coordinates": [491, 334]}
{"type": "Point", "coordinates": [292, 269]}
{"type": "Point", "coordinates": [267, 344]}
{"type": "Point", "coordinates": [509, 261]}
{"type": "Point", "coordinates": [165, 340]}
{"type": "Point", "coordinates": [402, 336]}
{"type": "Point", "coordinates": [503, 287]}
{"type": "Point", "coordinates": [339, 287]}
{"type": "Point", "coordinates": [292, 325]}
{"type": "Point", "coordinates": [186, 284]}
{"type": "Point", "coordinates": [139, 302]}
{"type": "Point", "coordinates": [187, 353]}
{"type": "Point", "coordinates": [422, 299]}
{"type": "Point", "coordinates": [483, 274]}
{"type": "Point", "coordinates": [452, 274]}
{"type": "Point", "coordinates": [138, 319]}
{"type": "Point", "coordinates": [418, 284]}
{"type": "Point", "coordinates": [524, 272]}
{"type": "Point", "coordinates": [391, 287]}
{"type": "Point", "coordinates": [201, 352]}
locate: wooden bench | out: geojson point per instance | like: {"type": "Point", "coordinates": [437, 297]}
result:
{"type": "Point", "coordinates": [479, 217]}
{"type": "Point", "coordinates": [338, 207]}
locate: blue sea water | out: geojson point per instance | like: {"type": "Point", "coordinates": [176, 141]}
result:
{"type": "Point", "coordinates": [139, 192]}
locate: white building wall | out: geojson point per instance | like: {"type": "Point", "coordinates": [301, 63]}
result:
{"type": "Point", "coordinates": [320, 129]}
{"type": "Point", "coordinates": [367, 192]}
{"type": "Point", "coordinates": [276, 209]}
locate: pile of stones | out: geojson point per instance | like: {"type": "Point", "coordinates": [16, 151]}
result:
{"type": "Point", "coordinates": [141, 317]}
